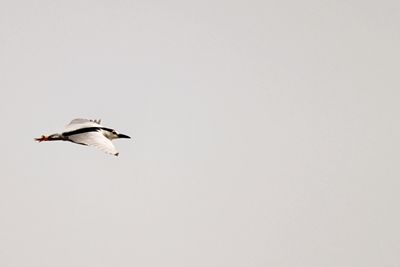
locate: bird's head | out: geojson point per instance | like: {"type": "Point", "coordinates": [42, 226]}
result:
{"type": "Point", "coordinates": [112, 134]}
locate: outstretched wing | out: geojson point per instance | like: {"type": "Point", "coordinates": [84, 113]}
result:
{"type": "Point", "coordinates": [95, 139]}
{"type": "Point", "coordinates": [82, 123]}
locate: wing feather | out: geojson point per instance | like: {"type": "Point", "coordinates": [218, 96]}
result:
{"type": "Point", "coordinates": [76, 124]}
{"type": "Point", "coordinates": [95, 139]}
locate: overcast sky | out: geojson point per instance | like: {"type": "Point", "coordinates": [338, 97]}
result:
{"type": "Point", "coordinates": [265, 133]}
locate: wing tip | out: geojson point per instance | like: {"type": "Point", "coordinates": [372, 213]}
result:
{"type": "Point", "coordinates": [98, 121]}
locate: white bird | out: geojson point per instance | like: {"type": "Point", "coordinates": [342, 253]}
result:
{"type": "Point", "coordinates": [88, 133]}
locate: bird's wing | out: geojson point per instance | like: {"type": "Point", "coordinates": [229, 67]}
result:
{"type": "Point", "coordinates": [95, 139]}
{"type": "Point", "coordinates": [81, 123]}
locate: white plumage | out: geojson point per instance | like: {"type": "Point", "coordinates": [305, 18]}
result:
{"type": "Point", "coordinates": [89, 133]}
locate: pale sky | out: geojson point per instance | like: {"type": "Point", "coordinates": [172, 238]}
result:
{"type": "Point", "coordinates": [265, 133]}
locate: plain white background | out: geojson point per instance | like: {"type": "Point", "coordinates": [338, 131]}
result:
{"type": "Point", "coordinates": [265, 133]}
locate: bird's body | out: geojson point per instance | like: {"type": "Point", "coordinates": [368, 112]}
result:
{"type": "Point", "coordinates": [88, 133]}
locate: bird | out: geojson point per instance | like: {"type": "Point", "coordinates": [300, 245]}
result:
{"type": "Point", "coordinates": [88, 133]}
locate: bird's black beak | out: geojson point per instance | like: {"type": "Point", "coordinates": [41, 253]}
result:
{"type": "Point", "coordinates": [123, 136]}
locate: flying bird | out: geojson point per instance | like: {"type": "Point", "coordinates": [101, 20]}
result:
{"type": "Point", "coordinates": [88, 133]}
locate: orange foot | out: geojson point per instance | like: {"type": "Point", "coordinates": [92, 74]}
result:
{"type": "Point", "coordinates": [42, 138]}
